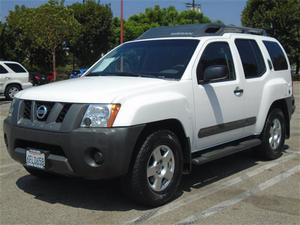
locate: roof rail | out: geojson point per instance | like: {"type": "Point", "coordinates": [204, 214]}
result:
{"type": "Point", "coordinates": [198, 30]}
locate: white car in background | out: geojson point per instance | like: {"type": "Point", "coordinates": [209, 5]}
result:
{"type": "Point", "coordinates": [13, 78]}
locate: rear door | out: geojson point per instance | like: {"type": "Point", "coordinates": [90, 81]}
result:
{"type": "Point", "coordinates": [220, 104]}
{"type": "Point", "coordinates": [3, 74]}
{"type": "Point", "coordinates": [255, 74]}
{"type": "Point", "coordinates": [18, 72]}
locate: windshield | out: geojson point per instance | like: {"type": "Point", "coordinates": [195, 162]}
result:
{"type": "Point", "coordinates": [158, 59]}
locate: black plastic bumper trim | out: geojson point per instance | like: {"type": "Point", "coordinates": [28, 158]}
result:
{"type": "Point", "coordinates": [116, 145]}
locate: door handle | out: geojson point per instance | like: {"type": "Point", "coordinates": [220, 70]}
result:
{"type": "Point", "coordinates": [238, 91]}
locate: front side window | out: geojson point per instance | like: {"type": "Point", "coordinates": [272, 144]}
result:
{"type": "Point", "coordinates": [16, 67]}
{"type": "Point", "coordinates": [216, 53]}
{"type": "Point", "coordinates": [251, 56]}
{"type": "Point", "coordinates": [2, 70]}
{"type": "Point", "coordinates": [156, 59]}
{"type": "Point", "coordinates": [277, 55]}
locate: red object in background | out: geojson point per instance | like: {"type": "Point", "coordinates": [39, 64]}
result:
{"type": "Point", "coordinates": [50, 77]}
{"type": "Point", "coordinates": [37, 77]}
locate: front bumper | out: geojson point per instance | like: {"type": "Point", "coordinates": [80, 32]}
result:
{"type": "Point", "coordinates": [72, 153]}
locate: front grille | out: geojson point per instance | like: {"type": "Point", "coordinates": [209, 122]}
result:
{"type": "Point", "coordinates": [52, 149]}
{"type": "Point", "coordinates": [44, 112]}
{"type": "Point", "coordinates": [27, 109]}
{"type": "Point", "coordinates": [63, 113]}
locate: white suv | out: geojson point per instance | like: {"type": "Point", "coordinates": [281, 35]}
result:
{"type": "Point", "coordinates": [152, 107]}
{"type": "Point", "coordinates": [13, 78]}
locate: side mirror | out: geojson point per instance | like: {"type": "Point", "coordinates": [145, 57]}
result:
{"type": "Point", "coordinates": [215, 72]}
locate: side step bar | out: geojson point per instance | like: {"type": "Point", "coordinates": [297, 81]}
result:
{"type": "Point", "coordinates": [220, 152]}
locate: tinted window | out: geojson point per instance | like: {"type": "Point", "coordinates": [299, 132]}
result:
{"type": "Point", "coordinates": [2, 69]}
{"type": "Point", "coordinates": [15, 67]}
{"type": "Point", "coordinates": [156, 59]}
{"type": "Point", "coordinates": [217, 53]}
{"type": "Point", "coordinates": [252, 59]}
{"type": "Point", "coordinates": [277, 55]}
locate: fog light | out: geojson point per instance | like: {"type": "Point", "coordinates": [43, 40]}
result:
{"type": "Point", "coordinates": [98, 157]}
{"type": "Point", "coordinates": [94, 157]}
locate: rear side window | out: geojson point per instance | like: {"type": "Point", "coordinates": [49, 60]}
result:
{"type": "Point", "coordinates": [251, 56]}
{"type": "Point", "coordinates": [277, 55]}
{"type": "Point", "coordinates": [15, 67]}
{"type": "Point", "coordinates": [2, 69]}
{"type": "Point", "coordinates": [216, 53]}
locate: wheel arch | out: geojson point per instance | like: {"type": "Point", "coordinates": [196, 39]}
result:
{"type": "Point", "coordinates": [174, 126]}
{"type": "Point", "coordinates": [282, 105]}
{"type": "Point", "coordinates": [12, 83]}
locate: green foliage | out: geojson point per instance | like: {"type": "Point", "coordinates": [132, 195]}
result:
{"type": "Point", "coordinates": [281, 19]}
{"type": "Point", "coordinates": [94, 38]}
{"type": "Point", "coordinates": [76, 34]}
{"type": "Point", "coordinates": [154, 17]}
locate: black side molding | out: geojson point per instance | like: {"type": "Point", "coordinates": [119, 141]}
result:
{"type": "Point", "coordinates": [220, 128]}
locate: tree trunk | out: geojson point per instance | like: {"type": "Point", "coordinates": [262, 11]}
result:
{"type": "Point", "coordinates": [54, 65]}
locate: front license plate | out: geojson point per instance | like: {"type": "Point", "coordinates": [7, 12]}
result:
{"type": "Point", "coordinates": [35, 159]}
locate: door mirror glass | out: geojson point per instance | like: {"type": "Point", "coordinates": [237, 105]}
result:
{"type": "Point", "coordinates": [215, 72]}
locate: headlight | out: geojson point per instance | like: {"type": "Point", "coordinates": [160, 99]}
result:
{"type": "Point", "coordinates": [100, 115]}
{"type": "Point", "coordinates": [12, 106]}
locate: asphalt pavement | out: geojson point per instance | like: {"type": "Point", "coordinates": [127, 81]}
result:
{"type": "Point", "coordinates": [239, 189]}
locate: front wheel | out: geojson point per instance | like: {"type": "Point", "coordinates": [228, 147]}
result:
{"type": "Point", "coordinates": [157, 169]}
{"type": "Point", "coordinates": [273, 135]}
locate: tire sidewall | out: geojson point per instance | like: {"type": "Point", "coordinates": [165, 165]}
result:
{"type": "Point", "coordinates": [169, 139]}
{"type": "Point", "coordinates": [6, 94]}
{"type": "Point", "coordinates": [269, 152]}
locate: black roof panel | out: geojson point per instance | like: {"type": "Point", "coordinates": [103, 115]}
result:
{"type": "Point", "coordinates": [197, 30]}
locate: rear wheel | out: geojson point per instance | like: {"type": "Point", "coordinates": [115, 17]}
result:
{"type": "Point", "coordinates": [11, 90]}
{"type": "Point", "coordinates": [157, 169]}
{"type": "Point", "coordinates": [273, 135]}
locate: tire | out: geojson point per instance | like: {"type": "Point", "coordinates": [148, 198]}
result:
{"type": "Point", "coordinates": [38, 173]}
{"type": "Point", "coordinates": [11, 90]}
{"type": "Point", "coordinates": [273, 136]}
{"type": "Point", "coordinates": [157, 170]}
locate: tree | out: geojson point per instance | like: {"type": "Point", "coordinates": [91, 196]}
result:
{"type": "Point", "coordinates": [49, 25]}
{"type": "Point", "coordinates": [95, 36]}
{"type": "Point", "coordinates": [154, 17]}
{"type": "Point", "coordinates": [281, 19]}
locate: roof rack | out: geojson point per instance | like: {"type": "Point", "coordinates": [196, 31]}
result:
{"type": "Point", "coordinates": [198, 30]}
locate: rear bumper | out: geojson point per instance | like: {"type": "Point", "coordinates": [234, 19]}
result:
{"type": "Point", "coordinates": [73, 153]}
{"type": "Point", "coordinates": [26, 85]}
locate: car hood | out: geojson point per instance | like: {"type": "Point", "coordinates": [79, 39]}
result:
{"type": "Point", "coordinates": [91, 89]}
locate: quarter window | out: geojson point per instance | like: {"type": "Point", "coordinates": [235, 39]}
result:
{"type": "Point", "coordinates": [277, 55]}
{"type": "Point", "coordinates": [251, 56]}
{"type": "Point", "coordinates": [2, 69]}
{"type": "Point", "coordinates": [16, 68]}
{"type": "Point", "coordinates": [216, 53]}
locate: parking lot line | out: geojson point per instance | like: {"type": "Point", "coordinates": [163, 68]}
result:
{"type": "Point", "coordinates": [216, 187]}
{"type": "Point", "coordinates": [238, 198]}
